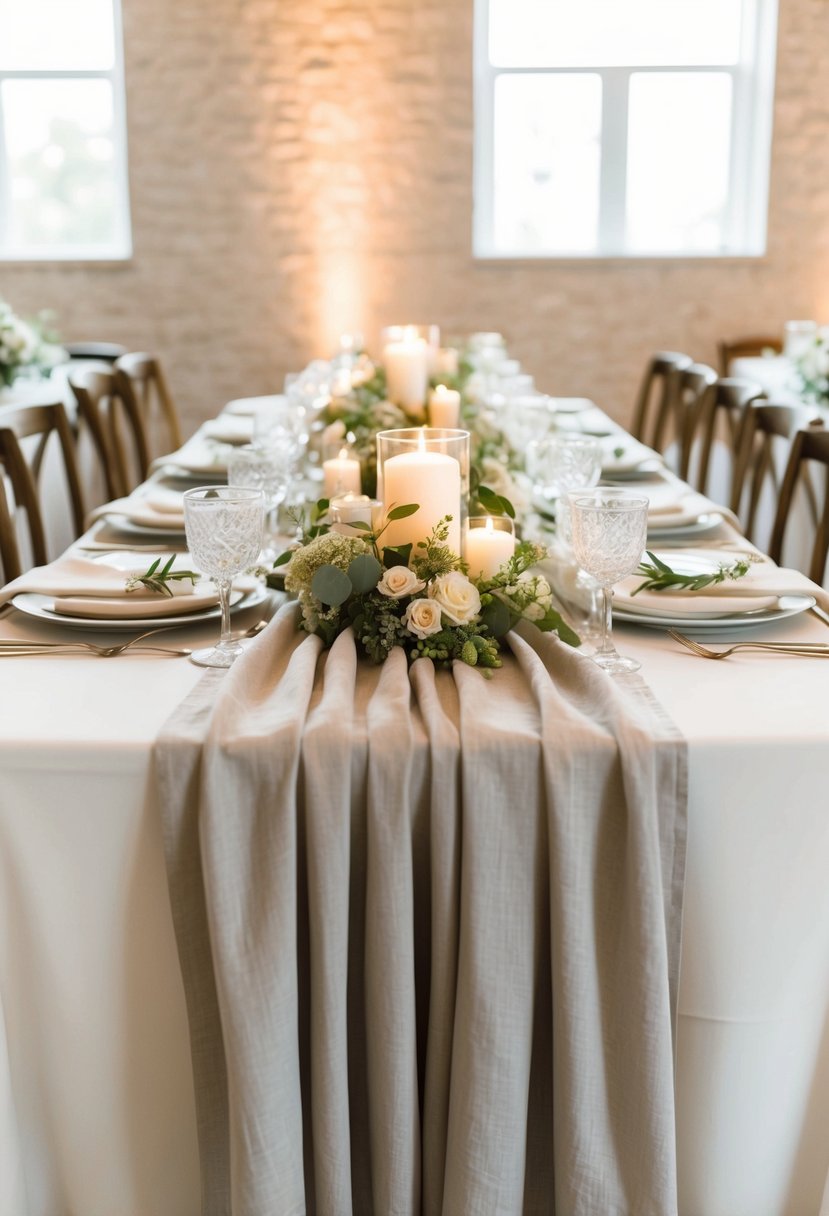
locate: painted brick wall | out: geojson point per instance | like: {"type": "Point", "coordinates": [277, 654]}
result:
{"type": "Point", "coordinates": [303, 166]}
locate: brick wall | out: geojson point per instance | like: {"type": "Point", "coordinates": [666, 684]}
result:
{"type": "Point", "coordinates": [299, 167]}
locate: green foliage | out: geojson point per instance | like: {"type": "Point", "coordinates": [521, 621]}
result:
{"type": "Point", "coordinates": [660, 577]}
{"type": "Point", "coordinates": [364, 572]}
{"type": "Point", "coordinates": [158, 581]}
{"type": "Point", "coordinates": [331, 586]}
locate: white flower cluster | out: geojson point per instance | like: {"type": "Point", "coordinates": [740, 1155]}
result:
{"type": "Point", "coordinates": [22, 347]}
{"type": "Point", "coordinates": [530, 595]}
{"type": "Point", "coordinates": [811, 366]}
{"type": "Point", "coordinates": [450, 599]}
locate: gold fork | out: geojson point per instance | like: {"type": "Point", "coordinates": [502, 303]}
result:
{"type": "Point", "coordinates": [24, 647]}
{"type": "Point", "coordinates": [815, 649]}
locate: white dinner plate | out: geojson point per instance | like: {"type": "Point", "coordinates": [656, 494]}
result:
{"type": "Point", "coordinates": [698, 527]}
{"type": "Point", "coordinates": [42, 608]}
{"type": "Point", "coordinates": [787, 605]}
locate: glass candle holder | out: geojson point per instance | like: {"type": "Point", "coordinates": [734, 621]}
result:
{"type": "Point", "coordinates": [489, 542]}
{"type": "Point", "coordinates": [348, 509]}
{"type": "Point", "coordinates": [428, 466]}
{"type": "Point", "coordinates": [410, 357]}
{"type": "Point", "coordinates": [340, 470]}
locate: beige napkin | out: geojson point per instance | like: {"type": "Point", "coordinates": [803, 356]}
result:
{"type": "Point", "coordinates": [633, 454]}
{"type": "Point", "coordinates": [151, 508]}
{"type": "Point", "coordinates": [81, 587]}
{"type": "Point", "coordinates": [673, 505]}
{"type": "Point", "coordinates": [759, 589]}
{"type": "Point", "coordinates": [229, 429]}
{"type": "Point", "coordinates": [251, 406]}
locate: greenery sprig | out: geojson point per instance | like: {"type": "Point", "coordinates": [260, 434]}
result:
{"type": "Point", "coordinates": [158, 581]}
{"type": "Point", "coordinates": [660, 577]}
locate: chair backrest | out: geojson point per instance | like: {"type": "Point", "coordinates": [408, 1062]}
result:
{"type": "Point", "coordinates": [687, 387]}
{"type": "Point", "coordinates": [808, 445]}
{"type": "Point", "coordinates": [107, 410]}
{"type": "Point", "coordinates": [143, 376]}
{"type": "Point", "coordinates": [38, 422]}
{"type": "Point", "coordinates": [754, 468]}
{"type": "Point", "coordinates": [746, 348]}
{"type": "Point", "coordinates": [104, 352]}
{"type": "Point", "coordinates": [650, 417]}
{"type": "Point", "coordinates": [9, 552]}
{"type": "Point", "coordinates": [723, 403]}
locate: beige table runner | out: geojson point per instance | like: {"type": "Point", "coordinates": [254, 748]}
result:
{"type": "Point", "coordinates": [429, 932]}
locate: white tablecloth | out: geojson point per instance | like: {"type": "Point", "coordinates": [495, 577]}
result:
{"type": "Point", "coordinates": [96, 1104]}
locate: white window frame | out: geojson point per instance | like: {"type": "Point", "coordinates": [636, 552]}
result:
{"type": "Point", "coordinates": [751, 130]}
{"type": "Point", "coordinates": [120, 248]}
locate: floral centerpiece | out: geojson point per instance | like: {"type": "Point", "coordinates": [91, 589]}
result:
{"type": "Point", "coordinates": [27, 348]}
{"type": "Point", "coordinates": [422, 600]}
{"type": "Point", "coordinates": [811, 368]}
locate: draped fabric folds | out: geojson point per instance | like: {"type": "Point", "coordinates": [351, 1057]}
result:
{"type": "Point", "coordinates": [429, 932]}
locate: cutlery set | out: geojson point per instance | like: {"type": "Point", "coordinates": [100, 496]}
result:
{"type": "Point", "coordinates": [14, 648]}
{"type": "Point", "coordinates": [806, 649]}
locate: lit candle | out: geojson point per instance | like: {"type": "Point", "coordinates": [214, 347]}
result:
{"type": "Point", "coordinates": [447, 361]}
{"type": "Point", "coordinates": [444, 407]}
{"type": "Point", "coordinates": [348, 509]}
{"type": "Point", "coordinates": [433, 481]}
{"type": "Point", "coordinates": [406, 361]}
{"type": "Point", "coordinates": [341, 474]}
{"type": "Point", "coordinates": [487, 549]}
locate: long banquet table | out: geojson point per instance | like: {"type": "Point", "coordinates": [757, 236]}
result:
{"type": "Point", "coordinates": [96, 1092]}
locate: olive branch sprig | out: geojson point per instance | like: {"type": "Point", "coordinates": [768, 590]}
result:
{"type": "Point", "coordinates": [660, 577]}
{"type": "Point", "coordinates": [157, 580]}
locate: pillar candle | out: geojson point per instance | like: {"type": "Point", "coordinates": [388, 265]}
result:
{"type": "Point", "coordinates": [341, 475]}
{"type": "Point", "coordinates": [433, 481]}
{"type": "Point", "coordinates": [407, 372]}
{"type": "Point", "coordinates": [487, 549]}
{"type": "Point", "coordinates": [445, 407]}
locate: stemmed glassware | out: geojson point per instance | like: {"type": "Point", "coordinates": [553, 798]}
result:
{"type": "Point", "coordinates": [267, 467]}
{"type": "Point", "coordinates": [224, 527]}
{"type": "Point", "coordinates": [560, 462]}
{"type": "Point", "coordinates": [610, 530]}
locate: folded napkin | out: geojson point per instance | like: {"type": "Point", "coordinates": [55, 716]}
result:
{"type": "Point", "coordinates": [760, 589]}
{"type": "Point", "coordinates": [200, 455]}
{"type": "Point", "coordinates": [229, 429]}
{"type": "Point", "coordinates": [672, 504]}
{"type": "Point", "coordinates": [81, 587]}
{"type": "Point", "coordinates": [631, 454]}
{"type": "Point", "coordinates": [251, 406]}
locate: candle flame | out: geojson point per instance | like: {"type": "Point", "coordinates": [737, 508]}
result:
{"type": "Point", "coordinates": [421, 440]}
{"type": "Point", "coordinates": [343, 454]}
{"type": "Point", "coordinates": [489, 526]}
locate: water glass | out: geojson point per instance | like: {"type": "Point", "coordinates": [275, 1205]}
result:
{"type": "Point", "coordinates": [224, 535]}
{"type": "Point", "coordinates": [267, 467]}
{"type": "Point", "coordinates": [609, 535]}
{"type": "Point", "coordinates": [560, 462]}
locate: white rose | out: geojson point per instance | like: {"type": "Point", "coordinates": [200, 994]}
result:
{"type": "Point", "coordinates": [423, 618]}
{"type": "Point", "coordinates": [533, 612]}
{"type": "Point", "coordinates": [458, 598]}
{"type": "Point", "coordinates": [398, 581]}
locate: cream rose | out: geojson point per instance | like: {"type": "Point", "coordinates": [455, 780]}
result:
{"type": "Point", "coordinates": [398, 581]}
{"type": "Point", "coordinates": [458, 598]}
{"type": "Point", "coordinates": [423, 618]}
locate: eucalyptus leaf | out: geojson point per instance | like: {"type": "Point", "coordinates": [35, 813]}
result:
{"type": "Point", "coordinates": [283, 558]}
{"type": "Point", "coordinates": [497, 618]}
{"type": "Point", "coordinates": [403, 512]}
{"type": "Point", "coordinates": [364, 572]}
{"type": "Point", "coordinates": [331, 586]}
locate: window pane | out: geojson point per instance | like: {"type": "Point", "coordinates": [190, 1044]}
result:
{"type": "Point", "coordinates": [45, 34]}
{"type": "Point", "coordinates": [61, 163]}
{"type": "Point", "coordinates": [546, 162]}
{"type": "Point", "coordinates": [678, 162]}
{"type": "Point", "coordinates": [608, 33]}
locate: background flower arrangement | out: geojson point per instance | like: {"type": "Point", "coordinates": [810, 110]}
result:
{"type": "Point", "coordinates": [27, 348]}
{"type": "Point", "coordinates": [423, 601]}
{"type": "Point", "coordinates": [811, 368]}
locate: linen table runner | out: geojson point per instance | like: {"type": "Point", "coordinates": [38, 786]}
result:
{"type": "Point", "coordinates": [429, 931]}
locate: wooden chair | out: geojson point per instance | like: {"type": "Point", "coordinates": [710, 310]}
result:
{"type": "Point", "coordinates": [751, 347]}
{"type": "Point", "coordinates": [721, 407]}
{"type": "Point", "coordinates": [9, 552]}
{"type": "Point", "coordinates": [652, 402]}
{"type": "Point", "coordinates": [103, 352]}
{"type": "Point", "coordinates": [809, 445]}
{"type": "Point", "coordinates": [754, 469]}
{"type": "Point", "coordinates": [40, 423]}
{"type": "Point", "coordinates": [142, 375]}
{"type": "Point", "coordinates": [108, 411]}
{"type": "Point", "coordinates": [686, 389]}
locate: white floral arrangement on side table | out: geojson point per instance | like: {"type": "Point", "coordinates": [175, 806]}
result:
{"type": "Point", "coordinates": [27, 348]}
{"type": "Point", "coordinates": [811, 368]}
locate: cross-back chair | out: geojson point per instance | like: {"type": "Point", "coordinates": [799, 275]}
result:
{"type": "Point", "coordinates": [109, 411]}
{"type": "Point", "coordinates": [142, 375]}
{"type": "Point", "coordinates": [23, 465]}
{"type": "Point", "coordinates": [750, 347]}
{"type": "Point", "coordinates": [764, 424]}
{"type": "Point", "coordinates": [103, 352]}
{"type": "Point", "coordinates": [653, 399]}
{"type": "Point", "coordinates": [721, 409]}
{"type": "Point", "coordinates": [809, 446]}
{"type": "Point", "coordinates": [687, 388]}
{"type": "Point", "coordinates": [9, 552]}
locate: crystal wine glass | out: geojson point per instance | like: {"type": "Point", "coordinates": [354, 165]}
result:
{"type": "Point", "coordinates": [558, 463]}
{"type": "Point", "coordinates": [266, 467]}
{"type": "Point", "coordinates": [610, 530]}
{"type": "Point", "coordinates": [224, 526]}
